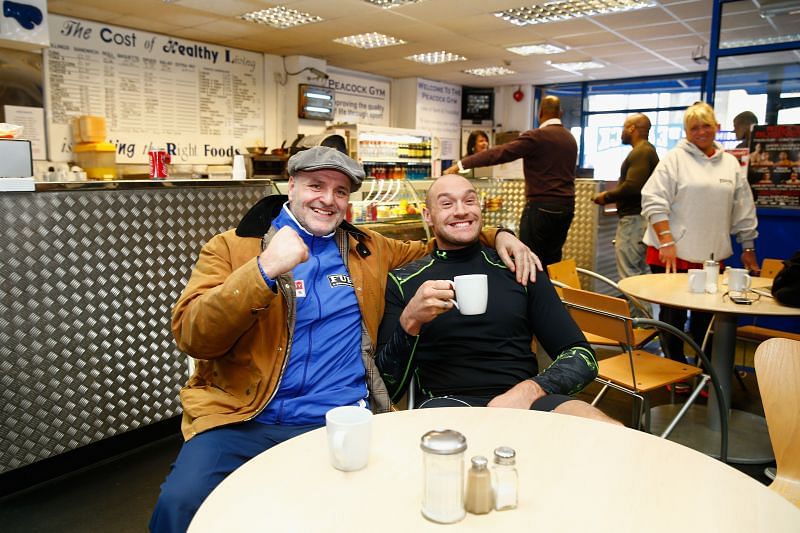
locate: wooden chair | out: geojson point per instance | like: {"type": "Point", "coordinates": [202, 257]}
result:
{"type": "Point", "coordinates": [770, 268]}
{"type": "Point", "coordinates": [637, 372]}
{"type": "Point", "coordinates": [565, 273]}
{"type": "Point", "coordinates": [778, 372]}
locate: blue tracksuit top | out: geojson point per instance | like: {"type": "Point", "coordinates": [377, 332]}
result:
{"type": "Point", "coordinates": [324, 368]}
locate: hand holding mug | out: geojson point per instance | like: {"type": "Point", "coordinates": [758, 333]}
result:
{"type": "Point", "coordinates": [472, 293]}
{"type": "Point", "coordinates": [433, 298]}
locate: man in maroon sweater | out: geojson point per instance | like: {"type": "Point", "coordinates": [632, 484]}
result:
{"type": "Point", "coordinates": [549, 155]}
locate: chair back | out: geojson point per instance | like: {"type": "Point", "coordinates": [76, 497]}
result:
{"type": "Point", "coordinates": [599, 314]}
{"type": "Point", "coordinates": [771, 267]}
{"type": "Point", "coordinates": [777, 363]}
{"type": "Point", "coordinates": [565, 272]}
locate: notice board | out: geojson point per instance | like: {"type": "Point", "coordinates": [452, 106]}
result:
{"type": "Point", "coordinates": [200, 101]}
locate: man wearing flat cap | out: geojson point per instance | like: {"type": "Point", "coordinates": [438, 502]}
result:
{"type": "Point", "coordinates": [282, 315]}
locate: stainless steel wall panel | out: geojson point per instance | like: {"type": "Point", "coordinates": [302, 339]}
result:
{"type": "Point", "coordinates": [88, 282]}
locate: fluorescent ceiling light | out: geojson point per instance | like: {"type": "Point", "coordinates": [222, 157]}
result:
{"type": "Point", "coordinates": [540, 49]}
{"type": "Point", "coordinates": [567, 9]}
{"type": "Point", "coordinates": [436, 58]}
{"type": "Point", "coordinates": [576, 66]}
{"type": "Point", "coordinates": [389, 4]}
{"type": "Point", "coordinates": [369, 40]}
{"type": "Point", "coordinates": [318, 96]}
{"type": "Point", "coordinates": [489, 71]}
{"type": "Point", "coordinates": [280, 17]}
{"type": "Point", "coordinates": [781, 7]}
{"type": "Point", "coordinates": [317, 109]}
{"type": "Point", "coordinates": [761, 40]}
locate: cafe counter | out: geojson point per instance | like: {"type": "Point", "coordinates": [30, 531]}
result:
{"type": "Point", "coordinates": [90, 272]}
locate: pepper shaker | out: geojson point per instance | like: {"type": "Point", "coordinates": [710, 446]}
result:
{"type": "Point", "coordinates": [443, 485]}
{"type": "Point", "coordinates": [479, 487]}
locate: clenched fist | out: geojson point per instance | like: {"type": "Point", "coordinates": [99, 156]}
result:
{"type": "Point", "coordinates": [285, 251]}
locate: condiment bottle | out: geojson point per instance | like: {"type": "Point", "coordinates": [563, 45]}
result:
{"type": "Point", "coordinates": [443, 484]}
{"type": "Point", "coordinates": [711, 268]}
{"type": "Point", "coordinates": [479, 487]}
{"type": "Point", "coordinates": [504, 478]}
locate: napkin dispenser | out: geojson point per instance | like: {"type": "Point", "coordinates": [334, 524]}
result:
{"type": "Point", "coordinates": [16, 158]}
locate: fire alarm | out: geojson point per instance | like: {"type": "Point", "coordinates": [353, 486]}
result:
{"type": "Point", "coordinates": [518, 95]}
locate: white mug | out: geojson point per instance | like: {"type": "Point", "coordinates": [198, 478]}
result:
{"type": "Point", "coordinates": [738, 280]}
{"type": "Point", "coordinates": [472, 293]}
{"type": "Point", "coordinates": [349, 434]}
{"type": "Point", "coordinates": [697, 280]}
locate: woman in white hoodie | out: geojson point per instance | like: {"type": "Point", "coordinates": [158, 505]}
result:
{"type": "Point", "coordinates": [697, 197]}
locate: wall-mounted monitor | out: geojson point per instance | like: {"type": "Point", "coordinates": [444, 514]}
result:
{"type": "Point", "coordinates": [315, 102]}
{"type": "Point", "coordinates": [477, 104]}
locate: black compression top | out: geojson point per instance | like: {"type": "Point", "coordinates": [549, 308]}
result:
{"type": "Point", "coordinates": [481, 355]}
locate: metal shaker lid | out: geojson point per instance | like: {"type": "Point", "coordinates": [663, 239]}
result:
{"type": "Point", "coordinates": [443, 442]}
{"type": "Point", "coordinates": [504, 455]}
{"type": "Point", "coordinates": [480, 462]}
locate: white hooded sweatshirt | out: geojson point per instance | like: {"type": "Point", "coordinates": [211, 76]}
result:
{"type": "Point", "coordinates": [705, 199]}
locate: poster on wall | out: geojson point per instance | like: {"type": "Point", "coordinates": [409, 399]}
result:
{"type": "Point", "coordinates": [201, 102]}
{"type": "Point", "coordinates": [359, 99]}
{"type": "Point", "coordinates": [439, 111]}
{"type": "Point", "coordinates": [774, 165]}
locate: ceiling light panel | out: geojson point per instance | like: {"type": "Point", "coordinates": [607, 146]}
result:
{"type": "Point", "coordinates": [576, 66]}
{"type": "Point", "coordinates": [281, 17]}
{"type": "Point", "coordinates": [536, 49]}
{"type": "Point", "coordinates": [761, 41]}
{"type": "Point", "coordinates": [568, 9]}
{"type": "Point", "coordinates": [486, 72]}
{"type": "Point", "coordinates": [389, 4]}
{"type": "Point", "coordinates": [436, 58]}
{"type": "Point", "coordinates": [369, 40]}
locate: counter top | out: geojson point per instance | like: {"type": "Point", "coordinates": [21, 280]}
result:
{"type": "Point", "coordinates": [63, 186]}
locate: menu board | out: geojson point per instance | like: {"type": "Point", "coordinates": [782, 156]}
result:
{"type": "Point", "coordinates": [199, 101]}
{"type": "Point", "coordinates": [774, 165]}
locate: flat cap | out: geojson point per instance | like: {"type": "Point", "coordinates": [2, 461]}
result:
{"type": "Point", "coordinates": [319, 157]}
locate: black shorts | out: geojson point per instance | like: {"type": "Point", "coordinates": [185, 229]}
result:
{"type": "Point", "coordinates": [545, 403]}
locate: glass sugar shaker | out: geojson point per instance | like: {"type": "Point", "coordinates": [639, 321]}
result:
{"type": "Point", "coordinates": [711, 268]}
{"type": "Point", "coordinates": [479, 487]}
{"type": "Point", "coordinates": [443, 484]}
{"type": "Point", "coordinates": [504, 478]}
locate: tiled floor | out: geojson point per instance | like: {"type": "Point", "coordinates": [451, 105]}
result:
{"type": "Point", "coordinates": [118, 495]}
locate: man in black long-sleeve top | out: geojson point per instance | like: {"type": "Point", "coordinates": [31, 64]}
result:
{"type": "Point", "coordinates": [478, 360]}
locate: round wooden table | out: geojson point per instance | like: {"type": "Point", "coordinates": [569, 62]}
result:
{"type": "Point", "coordinates": [699, 429]}
{"type": "Point", "coordinates": [574, 475]}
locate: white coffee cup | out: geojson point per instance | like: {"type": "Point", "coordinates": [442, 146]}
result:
{"type": "Point", "coordinates": [738, 279]}
{"type": "Point", "coordinates": [349, 434]}
{"type": "Point", "coordinates": [239, 172]}
{"type": "Point", "coordinates": [697, 280]}
{"type": "Point", "coordinates": [472, 293]}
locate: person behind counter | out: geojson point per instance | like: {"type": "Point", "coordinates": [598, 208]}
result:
{"type": "Point", "coordinates": [281, 315]}
{"type": "Point", "coordinates": [696, 198]}
{"type": "Point", "coordinates": [549, 155]}
{"type": "Point", "coordinates": [477, 141]}
{"type": "Point", "coordinates": [485, 359]}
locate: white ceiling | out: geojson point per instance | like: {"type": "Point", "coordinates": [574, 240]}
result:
{"type": "Point", "coordinates": [650, 41]}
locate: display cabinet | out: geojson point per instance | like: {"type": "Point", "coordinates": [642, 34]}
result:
{"type": "Point", "coordinates": [393, 204]}
{"type": "Point", "coordinates": [389, 153]}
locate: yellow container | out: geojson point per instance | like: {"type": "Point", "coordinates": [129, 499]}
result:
{"type": "Point", "coordinates": [92, 129]}
{"type": "Point", "coordinates": [99, 160]}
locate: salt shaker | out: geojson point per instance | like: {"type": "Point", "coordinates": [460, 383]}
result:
{"type": "Point", "coordinates": [504, 478]}
{"type": "Point", "coordinates": [479, 487]}
{"type": "Point", "coordinates": [711, 269]}
{"type": "Point", "coordinates": [443, 485]}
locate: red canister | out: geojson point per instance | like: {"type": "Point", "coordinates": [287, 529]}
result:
{"type": "Point", "coordinates": [159, 159]}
